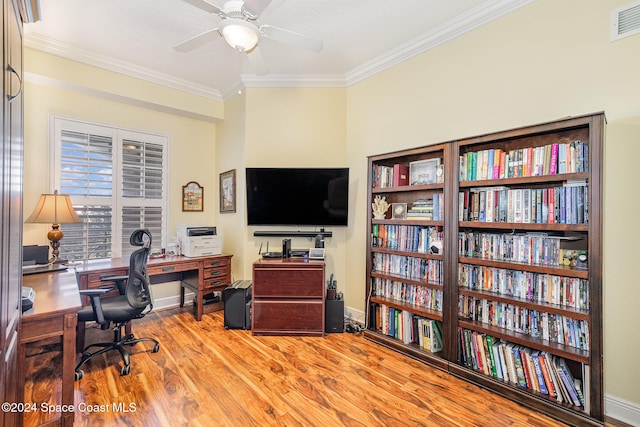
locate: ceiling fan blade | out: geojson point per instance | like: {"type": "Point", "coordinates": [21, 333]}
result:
{"type": "Point", "coordinates": [291, 38]}
{"type": "Point", "coordinates": [204, 5]}
{"type": "Point", "coordinates": [256, 7]}
{"type": "Point", "coordinates": [257, 61]}
{"type": "Point", "coordinates": [198, 40]}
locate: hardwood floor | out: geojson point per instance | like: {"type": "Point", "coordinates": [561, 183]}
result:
{"type": "Point", "coordinates": [205, 375]}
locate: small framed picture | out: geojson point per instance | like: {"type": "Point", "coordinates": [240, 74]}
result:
{"type": "Point", "coordinates": [192, 197]}
{"type": "Point", "coordinates": [228, 191]}
{"type": "Point", "coordinates": [399, 210]}
{"type": "Point", "coordinates": [423, 171]}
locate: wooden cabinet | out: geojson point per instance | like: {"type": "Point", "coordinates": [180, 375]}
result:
{"type": "Point", "coordinates": [11, 161]}
{"type": "Point", "coordinates": [288, 297]}
{"type": "Point", "coordinates": [518, 274]}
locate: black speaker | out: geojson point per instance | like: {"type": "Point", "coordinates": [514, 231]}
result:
{"type": "Point", "coordinates": [237, 301]}
{"type": "Point", "coordinates": [286, 248]}
{"type": "Point", "coordinates": [334, 316]}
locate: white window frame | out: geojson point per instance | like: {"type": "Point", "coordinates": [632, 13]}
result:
{"type": "Point", "coordinates": [58, 124]}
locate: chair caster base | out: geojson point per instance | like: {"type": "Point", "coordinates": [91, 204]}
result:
{"type": "Point", "coordinates": [79, 375]}
{"type": "Point", "coordinates": [125, 370]}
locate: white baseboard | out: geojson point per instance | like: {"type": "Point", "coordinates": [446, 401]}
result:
{"type": "Point", "coordinates": [172, 301]}
{"type": "Point", "coordinates": [354, 315]}
{"type": "Point", "coordinates": [622, 410]}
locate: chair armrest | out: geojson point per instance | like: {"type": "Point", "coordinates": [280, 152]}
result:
{"type": "Point", "coordinates": [119, 280]}
{"type": "Point", "coordinates": [94, 294]}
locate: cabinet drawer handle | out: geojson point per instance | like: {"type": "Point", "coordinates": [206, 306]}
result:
{"type": "Point", "coordinates": [213, 273]}
{"type": "Point", "coordinates": [169, 268]}
{"type": "Point", "coordinates": [214, 282]}
{"type": "Point", "coordinates": [214, 263]}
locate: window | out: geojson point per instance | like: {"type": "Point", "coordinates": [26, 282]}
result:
{"type": "Point", "coordinates": [117, 184]}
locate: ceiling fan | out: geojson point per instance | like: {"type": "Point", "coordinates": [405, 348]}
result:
{"type": "Point", "coordinates": [242, 31]}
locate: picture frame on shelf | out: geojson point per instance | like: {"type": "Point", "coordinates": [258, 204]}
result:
{"type": "Point", "coordinates": [399, 210]}
{"type": "Point", "coordinates": [228, 191]}
{"type": "Point", "coordinates": [423, 172]}
{"type": "Point", "coordinates": [192, 197]}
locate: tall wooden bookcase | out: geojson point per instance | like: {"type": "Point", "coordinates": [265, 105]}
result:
{"type": "Point", "coordinates": [503, 250]}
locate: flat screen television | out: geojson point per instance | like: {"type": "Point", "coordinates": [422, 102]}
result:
{"type": "Point", "coordinates": [297, 196]}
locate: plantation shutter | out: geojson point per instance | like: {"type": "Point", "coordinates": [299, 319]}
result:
{"type": "Point", "coordinates": [86, 174]}
{"type": "Point", "coordinates": [117, 183]}
{"type": "Point", "coordinates": [143, 190]}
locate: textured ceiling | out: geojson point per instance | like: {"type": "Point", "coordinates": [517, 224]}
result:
{"type": "Point", "coordinates": [137, 37]}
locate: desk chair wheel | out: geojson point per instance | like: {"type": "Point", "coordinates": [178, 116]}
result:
{"type": "Point", "coordinates": [79, 374]}
{"type": "Point", "coordinates": [125, 370]}
{"type": "Point", "coordinates": [156, 348]}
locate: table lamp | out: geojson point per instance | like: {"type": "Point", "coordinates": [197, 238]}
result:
{"type": "Point", "coordinates": [54, 209]}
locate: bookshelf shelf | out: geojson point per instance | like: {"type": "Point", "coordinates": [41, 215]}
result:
{"type": "Point", "coordinates": [565, 351]}
{"type": "Point", "coordinates": [412, 188]}
{"type": "Point", "coordinates": [574, 313]}
{"type": "Point", "coordinates": [512, 226]}
{"type": "Point", "coordinates": [419, 222]}
{"type": "Point", "coordinates": [527, 204]}
{"type": "Point", "coordinates": [526, 180]}
{"type": "Point", "coordinates": [545, 269]}
{"type": "Point", "coordinates": [417, 309]}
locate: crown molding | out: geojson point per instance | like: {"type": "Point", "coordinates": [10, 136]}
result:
{"type": "Point", "coordinates": [292, 80]}
{"type": "Point", "coordinates": [440, 35]}
{"type": "Point", "coordinates": [446, 32]}
{"type": "Point", "coordinates": [54, 47]}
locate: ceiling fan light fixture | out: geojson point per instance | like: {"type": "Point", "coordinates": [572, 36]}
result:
{"type": "Point", "coordinates": [240, 34]}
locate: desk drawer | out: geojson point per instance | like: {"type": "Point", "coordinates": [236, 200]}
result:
{"type": "Point", "coordinates": [35, 330]}
{"type": "Point", "coordinates": [210, 273]}
{"type": "Point", "coordinates": [153, 270]}
{"type": "Point", "coordinates": [288, 315]}
{"type": "Point", "coordinates": [288, 282]}
{"type": "Point", "coordinates": [216, 263]}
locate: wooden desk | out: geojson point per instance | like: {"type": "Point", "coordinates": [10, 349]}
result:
{"type": "Point", "coordinates": [203, 275]}
{"type": "Point", "coordinates": [53, 314]}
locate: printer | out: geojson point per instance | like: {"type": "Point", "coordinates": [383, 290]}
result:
{"type": "Point", "coordinates": [199, 240]}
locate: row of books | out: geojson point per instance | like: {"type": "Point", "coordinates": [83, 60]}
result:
{"type": "Point", "coordinates": [524, 367]}
{"type": "Point", "coordinates": [406, 293]}
{"type": "Point", "coordinates": [549, 159]}
{"type": "Point", "coordinates": [407, 327]}
{"type": "Point", "coordinates": [410, 238]}
{"type": "Point", "coordinates": [537, 324]}
{"type": "Point", "coordinates": [567, 204]}
{"type": "Point", "coordinates": [529, 248]}
{"type": "Point", "coordinates": [428, 209]}
{"type": "Point", "coordinates": [389, 176]}
{"type": "Point", "coordinates": [539, 287]}
{"type": "Point", "coordinates": [408, 267]}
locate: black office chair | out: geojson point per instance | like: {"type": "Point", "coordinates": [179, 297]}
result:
{"type": "Point", "coordinates": [135, 300]}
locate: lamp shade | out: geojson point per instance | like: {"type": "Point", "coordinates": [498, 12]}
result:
{"type": "Point", "coordinates": [54, 209]}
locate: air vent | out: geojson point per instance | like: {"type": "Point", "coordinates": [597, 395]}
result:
{"type": "Point", "coordinates": [625, 21]}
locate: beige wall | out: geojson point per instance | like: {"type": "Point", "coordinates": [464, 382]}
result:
{"type": "Point", "coordinates": [230, 154]}
{"type": "Point", "coordinates": [548, 60]}
{"type": "Point", "coordinates": [297, 127]}
{"type": "Point", "coordinates": [192, 143]}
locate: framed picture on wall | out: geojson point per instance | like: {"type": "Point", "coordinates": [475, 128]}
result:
{"type": "Point", "coordinates": [192, 197]}
{"type": "Point", "coordinates": [228, 191]}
